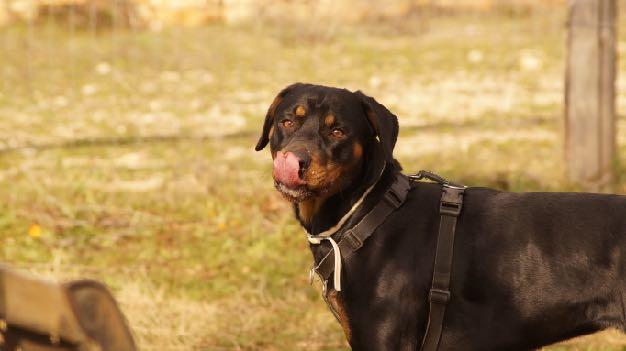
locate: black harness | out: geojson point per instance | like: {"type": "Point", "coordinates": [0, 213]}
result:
{"type": "Point", "coordinates": [450, 207]}
{"type": "Point", "coordinates": [449, 210]}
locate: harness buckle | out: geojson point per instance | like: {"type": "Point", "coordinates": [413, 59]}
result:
{"type": "Point", "coordinates": [439, 296]}
{"type": "Point", "coordinates": [450, 209]}
{"type": "Point", "coordinates": [451, 200]}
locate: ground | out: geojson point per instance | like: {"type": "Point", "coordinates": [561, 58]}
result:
{"type": "Point", "coordinates": [127, 156]}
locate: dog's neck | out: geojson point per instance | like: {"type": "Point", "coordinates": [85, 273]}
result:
{"type": "Point", "coordinates": [319, 214]}
{"type": "Point", "coordinates": [322, 213]}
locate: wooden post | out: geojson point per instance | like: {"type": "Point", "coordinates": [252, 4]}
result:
{"type": "Point", "coordinates": [590, 93]}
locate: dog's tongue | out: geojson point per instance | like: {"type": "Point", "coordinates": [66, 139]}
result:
{"type": "Point", "coordinates": [286, 169]}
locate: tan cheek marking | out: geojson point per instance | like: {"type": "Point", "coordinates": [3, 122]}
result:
{"type": "Point", "coordinates": [337, 302]}
{"type": "Point", "coordinates": [318, 176]}
{"type": "Point", "coordinates": [315, 173]}
{"type": "Point", "coordinates": [271, 132]}
{"type": "Point", "coordinates": [326, 176]}
{"type": "Point", "coordinates": [357, 150]}
{"type": "Point", "coordinates": [300, 111]}
{"type": "Point", "coordinates": [329, 120]}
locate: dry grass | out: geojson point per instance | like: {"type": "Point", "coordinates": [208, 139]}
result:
{"type": "Point", "coordinates": [133, 152]}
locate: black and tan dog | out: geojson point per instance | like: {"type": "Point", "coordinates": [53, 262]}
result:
{"type": "Point", "coordinates": [529, 269]}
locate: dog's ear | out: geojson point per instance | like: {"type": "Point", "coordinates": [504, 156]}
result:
{"type": "Point", "coordinates": [269, 117]}
{"type": "Point", "coordinates": [384, 122]}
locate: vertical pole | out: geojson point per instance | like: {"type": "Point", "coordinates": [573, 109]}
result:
{"type": "Point", "coordinates": [590, 93]}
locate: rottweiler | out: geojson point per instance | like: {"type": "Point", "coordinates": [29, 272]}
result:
{"type": "Point", "coordinates": [529, 269]}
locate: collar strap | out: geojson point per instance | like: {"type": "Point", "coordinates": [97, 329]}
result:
{"type": "Point", "coordinates": [315, 239]}
{"type": "Point", "coordinates": [353, 238]}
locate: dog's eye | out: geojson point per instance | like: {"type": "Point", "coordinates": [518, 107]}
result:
{"type": "Point", "coordinates": [287, 123]}
{"type": "Point", "coordinates": [337, 133]}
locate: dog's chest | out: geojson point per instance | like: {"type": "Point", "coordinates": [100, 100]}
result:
{"type": "Point", "coordinates": [337, 305]}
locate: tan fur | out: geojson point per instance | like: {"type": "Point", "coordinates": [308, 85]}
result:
{"type": "Point", "coordinates": [357, 150]}
{"type": "Point", "coordinates": [271, 132]}
{"type": "Point", "coordinates": [321, 175]}
{"type": "Point", "coordinates": [300, 111]}
{"type": "Point", "coordinates": [329, 120]}
{"type": "Point", "coordinates": [335, 299]}
{"type": "Point", "coordinates": [308, 208]}
{"type": "Point", "coordinates": [326, 176]}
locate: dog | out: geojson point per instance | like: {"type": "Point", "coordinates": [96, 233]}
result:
{"type": "Point", "coordinates": [529, 269]}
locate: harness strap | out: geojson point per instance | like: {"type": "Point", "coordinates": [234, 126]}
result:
{"type": "Point", "coordinates": [439, 296]}
{"type": "Point", "coordinates": [353, 238]}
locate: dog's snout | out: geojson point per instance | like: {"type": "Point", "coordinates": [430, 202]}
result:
{"type": "Point", "coordinates": [289, 168]}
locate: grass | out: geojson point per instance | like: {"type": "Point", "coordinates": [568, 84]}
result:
{"type": "Point", "coordinates": [133, 153]}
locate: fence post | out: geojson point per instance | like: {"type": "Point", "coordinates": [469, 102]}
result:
{"type": "Point", "coordinates": [590, 93]}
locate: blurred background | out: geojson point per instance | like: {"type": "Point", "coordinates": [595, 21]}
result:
{"type": "Point", "coordinates": [127, 130]}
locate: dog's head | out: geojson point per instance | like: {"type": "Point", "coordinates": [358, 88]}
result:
{"type": "Point", "coordinates": [322, 138]}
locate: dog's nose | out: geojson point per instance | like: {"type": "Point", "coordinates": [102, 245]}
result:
{"type": "Point", "coordinates": [289, 169]}
{"type": "Point", "coordinates": [303, 161]}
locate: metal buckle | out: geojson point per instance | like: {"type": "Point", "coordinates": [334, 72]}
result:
{"type": "Point", "coordinates": [454, 186]}
{"type": "Point", "coordinates": [324, 282]}
{"type": "Point", "coordinates": [439, 296]}
{"type": "Point", "coordinates": [435, 178]}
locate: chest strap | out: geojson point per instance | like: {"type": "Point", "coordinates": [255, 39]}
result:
{"type": "Point", "coordinates": [353, 238]}
{"type": "Point", "coordinates": [439, 296]}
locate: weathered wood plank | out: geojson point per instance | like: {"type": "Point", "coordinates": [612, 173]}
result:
{"type": "Point", "coordinates": [590, 93]}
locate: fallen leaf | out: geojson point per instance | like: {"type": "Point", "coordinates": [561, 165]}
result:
{"type": "Point", "coordinates": [34, 231]}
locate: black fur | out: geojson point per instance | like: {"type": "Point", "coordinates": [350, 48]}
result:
{"type": "Point", "coordinates": [530, 269]}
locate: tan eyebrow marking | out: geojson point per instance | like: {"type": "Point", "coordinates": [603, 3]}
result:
{"type": "Point", "coordinates": [329, 120]}
{"type": "Point", "coordinates": [300, 111]}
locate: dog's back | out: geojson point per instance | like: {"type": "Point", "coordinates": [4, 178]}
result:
{"type": "Point", "coordinates": [548, 266]}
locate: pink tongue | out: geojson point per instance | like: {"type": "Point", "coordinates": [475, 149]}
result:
{"type": "Point", "coordinates": [286, 169]}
